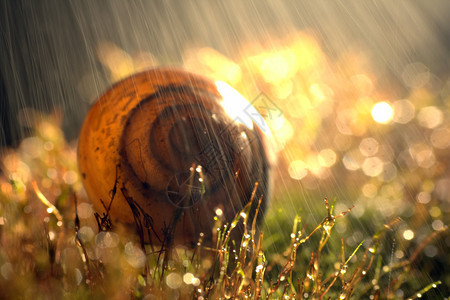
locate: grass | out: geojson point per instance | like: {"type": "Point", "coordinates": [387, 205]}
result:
{"type": "Point", "coordinates": [54, 246]}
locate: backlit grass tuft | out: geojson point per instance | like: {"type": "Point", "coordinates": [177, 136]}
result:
{"type": "Point", "coordinates": [53, 245]}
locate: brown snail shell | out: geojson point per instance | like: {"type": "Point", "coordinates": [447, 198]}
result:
{"type": "Point", "coordinates": [160, 149]}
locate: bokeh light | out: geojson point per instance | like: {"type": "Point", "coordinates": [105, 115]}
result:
{"type": "Point", "coordinates": [408, 234]}
{"type": "Point", "coordinates": [430, 117]}
{"type": "Point", "coordinates": [403, 111]}
{"type": "Point", "coordinates": [327, 157]}
{"type": "Point", "coordinates": [297, 169]}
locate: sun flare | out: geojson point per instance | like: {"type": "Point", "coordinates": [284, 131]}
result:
{"type": "Point", "coordinates": [382, 112]}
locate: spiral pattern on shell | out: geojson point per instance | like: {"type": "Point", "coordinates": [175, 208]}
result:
{"type": "Point", "coordinates": [159, 148]}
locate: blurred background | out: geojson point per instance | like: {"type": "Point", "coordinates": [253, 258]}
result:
{"type": "Point", "coordinates": [50, 50]}
{"type": "Point", "coordinates": [357, 95]}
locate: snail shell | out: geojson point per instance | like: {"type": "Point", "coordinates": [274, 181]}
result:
{"type": "Point", "coordinates": [159, 148]}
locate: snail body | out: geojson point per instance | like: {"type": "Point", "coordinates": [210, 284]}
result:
{"type": "Point", "coordinates": [159, 148]}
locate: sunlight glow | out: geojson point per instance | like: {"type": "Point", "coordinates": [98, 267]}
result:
{"type": "Point", "coordinates": [274, 67]}
{"type": "Point", "coordinates": [382, 112]}
{"type": "Point", "coordinates": [236, 105]}
{"type": "Point", "coordinates": [239, 108]}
